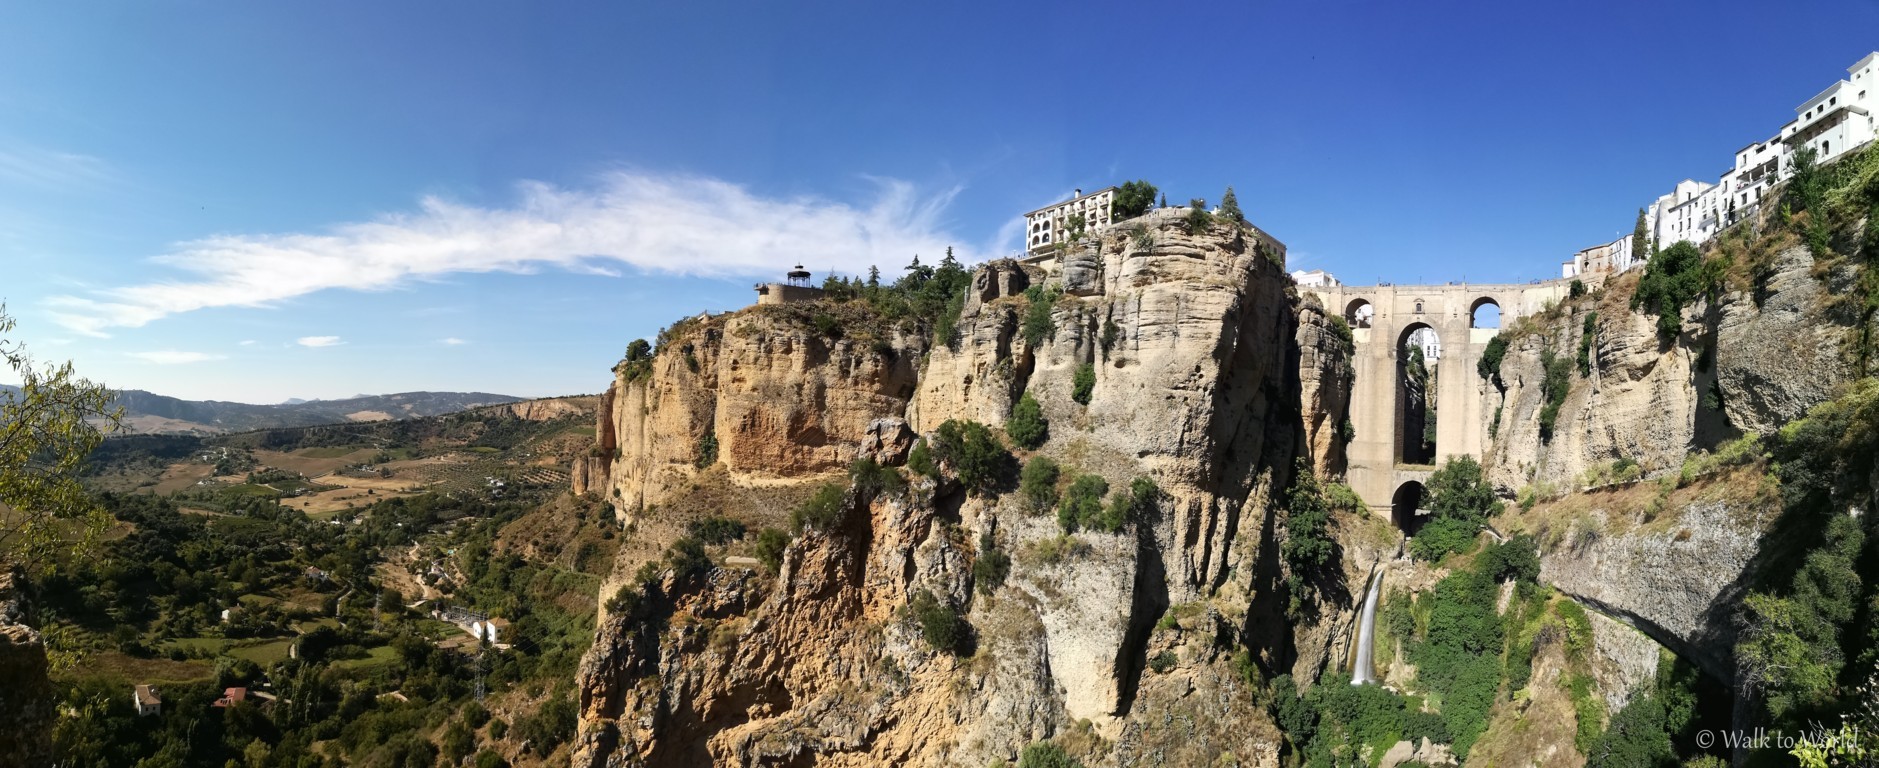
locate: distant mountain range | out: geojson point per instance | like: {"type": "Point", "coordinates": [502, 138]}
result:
{"type": "Point", "coordinates": [151, 413]}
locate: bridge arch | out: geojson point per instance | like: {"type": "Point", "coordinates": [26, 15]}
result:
{"type": "Point", "coordinates": [1359, 313]}
{"type": "Point", "coordinates": [1406, 507]}
{"type": "Point", "coordinates": [1485, 312]}
{"type": "Point", "coordinates": [1417, 348]}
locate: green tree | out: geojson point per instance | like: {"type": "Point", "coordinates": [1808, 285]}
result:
{"type": "Point", "coordinates": [1027, 427]}
{"type": "Point", "coordinates": [1037, 484]}
{"type": "Point", "coordinates": [1230, 207]}
{"type": "Point", "coordinates": [1460, 503]}
{"type": "Point", "coordinates": [939, 622]}
{"type": "Point", "coordinates": [976, 457]}
{"type": "Point", "coordinates": [770, 545]}
{"type": "Point", "coordinates": [46, 431]}
{"type": "Point", "coordinates": [1132, 199]}
{"type": "Point", "coordinates": [1082, 502]}
{"type": "Point", "coordinates": [1641, 246]}
{"type": "Point", "coordinates": [1672, 279]}
{"type": "Point", "coordinates": [638, 350]}
{"type": "Point", "coordinates": [1083, 383]}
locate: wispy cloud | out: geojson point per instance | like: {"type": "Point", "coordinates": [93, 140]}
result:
{"type": "Point", "coordinates": [684, 225]}
{"type": "Point", "coordinates": [247, 342]}
{"type": "Point", "coordinates": [175, 357]}
{"type": "Point", "coordinates": [452, 342]}
{"type": "Point", "coordinates": [46, 168]}
{"type": "Point", "coordinates": [318, 341]}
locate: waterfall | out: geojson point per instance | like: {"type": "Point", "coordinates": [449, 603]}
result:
{"type": "Point", "coordinates": [1366, 632]}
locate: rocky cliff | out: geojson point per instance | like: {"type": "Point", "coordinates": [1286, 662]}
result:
{"type": "Point", "coordinates": [28, 704]}
{"type": "Point", "coordinates": [1209, 377]}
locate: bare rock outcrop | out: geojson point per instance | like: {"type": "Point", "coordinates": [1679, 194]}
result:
{"type": "Point", "coordinates": [763, 390]}
{"type": "Point", "coordinates": [28, 704]}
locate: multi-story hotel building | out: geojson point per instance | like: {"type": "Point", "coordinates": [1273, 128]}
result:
{"type": "Point", "coordinates": [1045, 227]}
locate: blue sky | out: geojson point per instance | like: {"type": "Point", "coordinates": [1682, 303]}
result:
{"type": "Point", "coordinates": [270, 200]}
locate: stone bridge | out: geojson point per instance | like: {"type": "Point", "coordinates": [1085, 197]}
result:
{"type": "Point", "coordinates": [1382, 318]}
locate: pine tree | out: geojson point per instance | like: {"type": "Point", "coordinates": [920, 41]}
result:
{"type": "Point", "coordinates": [874, 277]}
{"type": "Point", "coordinates": [1641, 238]}
{"type": "Point", "coordinates": [1164, 200]}
{"type": "Point", "coordinates": [1230, 207]}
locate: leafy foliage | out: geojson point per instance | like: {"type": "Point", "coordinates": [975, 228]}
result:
{"type": "Point", "coordinates": [707, 453]}
{"type": "Point", "coordinates": [822, 511]}
{"type": "Point", "coordinates": [940, 624]}
{"type": "Point", "coordinates": [1554, 386]}
{"type": "Point", "coordinates": [771, 542]}
{"type": "Point", "coordinates": [981, 463]}
{"type": "Point", "coordinates": [920, 459]}
{"type": "Point", "coordinates": [1672, 280]}
{"type": "Point", "coordinates": [44, 438]}
{"type": "Point", "coordinates": [1230, 207]}
{"type": "Point", "coordinates": [1027, 427]}
{"type": "Point", "coordinates": [992, 566]}
{"type": "Point", "coordinates": [715, 530]}
{"type": "Point", "coordinates": [1489, 366]}
{"type": "Point", "coordinates": [1082, 502]}
{"type": "Point", "coordinates": [1308, 544]}
{"type": "Point", "coordinates": [1038, 325]}
{"type": "Point", "coordinates": [1587, 334]}
{"type": "Point", "coordinates": [1037, 484]}
{"type": "Point", "coordinates": [1044, 754]}
{"type": "Point", "coordinates": [1132, 199]}
{"type": "Point", "coordinates": [1460, 502]}
{"type": "Point", "coordinates": [1517, 559]}
{"type": "Point", "coordinates": [1083, 383]}
{"type": "Point", "coordinates": [1198, 217]}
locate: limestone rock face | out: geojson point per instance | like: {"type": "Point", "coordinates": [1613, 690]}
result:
{"type": "Point", "coordinates": [28, 704]}
{"type": "Point", "coordinates": [1677, 583]}
{"type": "Point", "coordinates": [1210, 378]}
{"type": "Point", "coordinates": [888, 441]}
{"type": "Point", "coordinates": [1639, 403]}
{"type": "Point", "coordinates": [1775, 361]}
{"type": "Point", "coordinates": [1748, 363]}
{"type": "Point", "coordinates": [778, 397]}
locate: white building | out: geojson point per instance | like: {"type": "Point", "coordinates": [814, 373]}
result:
{"type": "Point", "coordinates": [1834, 122]}
{"type": "Point", "coordinates": [1316, 278]}
{"type": "Point", "coordinates": [1050, 225]}
{"type": "Point", "coordinates": [1601, 261]}
{"type": "Point", "coordinates": [145, 700]}
{"type": "Point", "coordinates": [1840, 118]}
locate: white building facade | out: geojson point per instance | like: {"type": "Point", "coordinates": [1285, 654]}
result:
{"type": "Point", "coordinates": [1316, 278]}
{"type": "Point", "coordinates": [1834, 122]}
{"type": "Point", "coordinates": [1046, 227]}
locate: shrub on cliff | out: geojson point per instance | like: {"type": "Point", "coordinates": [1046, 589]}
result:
{"type": "Point", "coordinates": [920, 460]}
{"type": "Point", "coordinates": [1083, 384]}
{"type": "Point", "coordinates": [981, 463]}
{"type": "Point", "coordinates": [1037, 484]}
{"type": "Point", "coordinates": [822, 511]}
{"type": "Point", "coordinates": [1027, 426]}
{"type": "Point", "coordinates": [874, 479]}
{"type": "Point", "coordinates": [991, 567]}
{"type": "Point", "coordinates": [770, 545]}
{"type": "Point", "coordinates": [1307, 542]}
{"type": "Point", "coordinates": [1556, 384]}
{"type": "Point", "coordinates": [1082, 502]}
{"type": "Point", "coordinates": [1489, 366]}
{"type": "Point", "coordinates": [715, 530]}
{"type": "Point", "coordinates": [1672, 279]}
{"type": "Point", "coordinates": [1038, 326]}
{"type": "Point", "coordinates": [1044, 754]}
{"type": "Point", "coordinates": [940, 623]}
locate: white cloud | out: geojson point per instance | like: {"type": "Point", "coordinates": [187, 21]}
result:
{"type": "Point", "coordinates": [247, 342]}
{"type": "Point", "coordinates": [49, 168]}
{"type": "Point", "coordinates": [319, 341]}
{"type": "Point", "coordinates": [685, 225]}
{"type": "Point", "coordinates": [175, 357]}
{"type": "Point", "coordinates": [452, 342]}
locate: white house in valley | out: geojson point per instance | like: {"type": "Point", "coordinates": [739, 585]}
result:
{"type": "Point", "coordinates": [1050, 225]}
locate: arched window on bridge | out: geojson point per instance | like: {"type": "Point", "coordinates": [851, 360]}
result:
{"type": "Point", "coordinates": [1359, 313]}
{"type": "Point", "coordinates": [1419, 351]}
{"type": "Point", "coordinates": [1419, 306]}
{"type": "Point", "coordinates": [1485, 313]}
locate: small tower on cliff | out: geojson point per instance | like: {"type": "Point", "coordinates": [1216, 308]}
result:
{"type": "Point", "coordinates": [795, 288]}
{"type": "Point", "coordinates": [799, 277]}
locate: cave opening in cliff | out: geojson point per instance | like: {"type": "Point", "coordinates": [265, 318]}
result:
{"type": "Point", "coordinates": [1418, 351]}
{"type": "Point", "coordinates": [1405, 507]}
